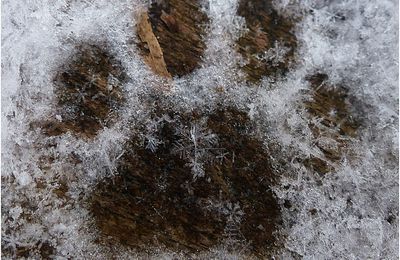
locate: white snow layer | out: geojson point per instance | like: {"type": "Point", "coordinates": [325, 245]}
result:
{"type": "Point", "coordinates": [360, 52]}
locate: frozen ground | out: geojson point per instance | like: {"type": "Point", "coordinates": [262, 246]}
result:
{"type": "Point", "coordinates": [354, 42]}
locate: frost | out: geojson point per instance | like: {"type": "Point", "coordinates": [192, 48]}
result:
{"type": "Point", "coordinates": [233, 212]}
{"type": "Point", "coordinates": [15, 212]}
{"type": "Point", "coordinates": [349, 213]}
{"type": "Point", "coordinates": [23, 178]}
{"type": "Point", "coordinates": [199, 146]}
{"type": "Point", "coordinates": [274, 55]}
{"type": "Point", "coordinates": [152, 129]}
{"type": "Point", "coordinates": [152, 143]}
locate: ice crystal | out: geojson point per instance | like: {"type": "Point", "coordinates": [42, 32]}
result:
{"type": "Point", "coordinates": [199, 146]}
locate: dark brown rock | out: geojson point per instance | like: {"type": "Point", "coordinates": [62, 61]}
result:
{"type": "Point", "coordinates": [171, 34]}
{"type": "Point", "coordinates": [88, 92]}
{"type": "Point", "coordinates": [155, 200]}
{"type": "Point", "coordinates": [266, 28]}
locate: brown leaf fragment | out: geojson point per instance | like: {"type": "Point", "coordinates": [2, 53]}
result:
{"type": "Point", "coordinates": [171, 36]}
{"type": "Point", "coordinates": [155, 57]}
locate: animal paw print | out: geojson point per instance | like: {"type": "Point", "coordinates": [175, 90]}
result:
{"type": "Point", "coordinates": [177, 179]}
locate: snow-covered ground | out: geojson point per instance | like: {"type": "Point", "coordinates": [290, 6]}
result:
{"type": "Point", "coordinates": [355, 42]}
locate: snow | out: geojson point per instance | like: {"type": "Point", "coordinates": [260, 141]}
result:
{"type": "Point", "coordinates": [354, 202]}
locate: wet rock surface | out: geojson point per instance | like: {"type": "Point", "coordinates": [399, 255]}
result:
{"type": "Point", "coordinates": [269, 45]}
{"type": "Point", "coordinates": [157, 198]}
{"type": "Point", "coordinates": [171, 34]}
{"type": "Point", "coordinates": [88, 92]}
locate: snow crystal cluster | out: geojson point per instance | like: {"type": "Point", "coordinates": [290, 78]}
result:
{"type": "Point", "coordinates": [349, 213]}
